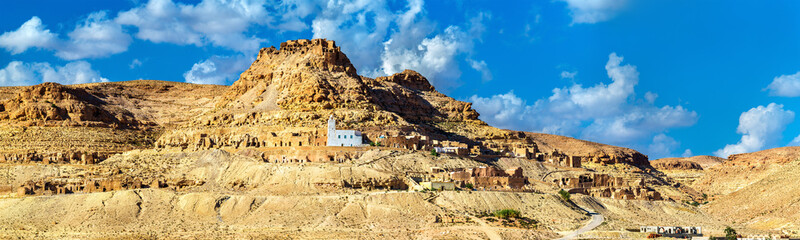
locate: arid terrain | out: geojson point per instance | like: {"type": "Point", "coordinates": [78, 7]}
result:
{"type": "Point", "coordinates": [156, 159]}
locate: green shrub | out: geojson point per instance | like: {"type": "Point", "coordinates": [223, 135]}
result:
{"type": "Point", "coordinates": [730, 233]}
{"type": "Point", "coordinates": [564, 194]}
{"type": "Point", "coordinates": [469, 186]}
{"type": "Point", "coordinates": [506, 213]}
{"type": "Point", "coordinates": [434, 153]}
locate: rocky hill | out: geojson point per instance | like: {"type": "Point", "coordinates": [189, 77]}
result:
{"type": "Point", "coordinates": [84, 123]}
{"type": "Point", "coordinates": [58, 105]}
{"type": "Point", "coordinates": [690, 163]}
{"type": "Point", "coordinates": [228, 161]}
{"type": "Point", "coordinates": [756, 189]}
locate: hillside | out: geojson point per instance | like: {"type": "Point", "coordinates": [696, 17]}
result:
{"type": "Point", "coordinates": [756, 189]}
{"type": "Point", "coordinates": [690, 163]}
{"type": "Point", "coordinates": [138, 157]}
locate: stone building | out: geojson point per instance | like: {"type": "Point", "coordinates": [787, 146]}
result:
{"type": "Point", "coordinates": [490, 177]}
{"type": "Point", "coordinates": [343, 138]}
{"type": "Point", "coordinates": [604, 185]}
{"type": "Point", "coordinates": [560, 159]}
{"type": "Point", "coordinates": [406, 142]}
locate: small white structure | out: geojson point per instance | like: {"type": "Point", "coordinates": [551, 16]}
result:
{"type": "Point", "coordinates": [343, 138]}
{"type": "Point", "coordinates": [682, 231]}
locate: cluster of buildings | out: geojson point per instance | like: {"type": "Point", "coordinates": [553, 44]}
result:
{"type": "Point", "coordinates": [64, 185]}
{"type": "Point", "coordinates": [482, 178]}
{"type": "Point", "coordinates": [90, 184]}
{"type": "Point", "coordinates": [604, 185]}
{"type": "Point", "coordinates": [70, 157]}
{"type": "Point", "coordinates": [673, 231]}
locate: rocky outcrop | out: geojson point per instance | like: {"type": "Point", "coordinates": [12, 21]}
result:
{"type": "Point", "coordinates": [410, 95]}
{"type": "Point", "coordinates": [314, 75]}
{"type": "Point", "coordinates": [702, 161]}
{"type": "Point", "coordinates": [670, 164]}
{"type": "Point", "coordinates": [301, 75]}
{"type": "Point", "coordinates": [53, 104]}
{"type": "Point", "coordinates": [588, 151]}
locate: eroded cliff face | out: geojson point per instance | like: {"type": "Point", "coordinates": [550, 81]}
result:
{"type": "Point", "coordinates": [302, 75]}
{"type": "Point", "coordinates": [314, 75]}
{"type": "Point", "coordinates": [53, 104]}
{"type": "Point", "coordinates": [87, 123]}
{"type": "Point", "coordinates": [758, 189]}
{"type": "Point", "coordinates": [413, 97]}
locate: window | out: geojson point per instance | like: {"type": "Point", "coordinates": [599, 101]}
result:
{"type": "Point", "coordinates": [339, 136]}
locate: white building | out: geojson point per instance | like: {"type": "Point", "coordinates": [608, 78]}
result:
{"type": "Point", "coordinates": [342, 138]}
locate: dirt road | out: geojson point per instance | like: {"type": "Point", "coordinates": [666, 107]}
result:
{"type": "Point", "coordinates": [597, 219]}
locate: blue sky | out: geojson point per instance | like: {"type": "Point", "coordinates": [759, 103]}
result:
{"type": "Point", "coordinates": [668, 78]}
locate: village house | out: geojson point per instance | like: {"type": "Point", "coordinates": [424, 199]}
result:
{"type": "Point", "coordinates": [343, 138]}
{"type": "Point", "coordinates": [490, 178]}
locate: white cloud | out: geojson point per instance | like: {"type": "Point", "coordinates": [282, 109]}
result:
{"type": "Point", "coordinates": [593, 11]}
{"type": "Point", "coordinates": [95, 37]}
{"type": "Point", "coordinates": [639, 123]}
{"type": "Point", "coordinates": [220, 70]}
{"type": "Point", "coordinates": [18, 73]}
{"type": "Point", "coordinates": [650, 97]}
{"type": "Point", "coordinates": [32, 34]}
{"type": "Point", "coordinates": [381, 41]}
{"type": "Point", "coordinates": [434, 57]}
{"type": "Point", "coordinates": [503, 110]}
{"type": "Point", "coordinates": [216, 22]}
{"type": "Point", "coordinates": [761, 127]}
{"type": "Point", "coordinates": [687, 153]}
{"type": "Point", "coordinates": [608, 113]}
{"type": "Point", "coordinates": [785, 86]}
{"type": "Point", "coordinates": [795, 141]}
{"type": "Point", "coordinates": [480, 66]}
{"type": "Point", "coordinates": [568, 75]}
{"type": "Point", "coordinates": [662, 146]}
{"type": "Point", "coordinates": [360, 28]}
{"type": "Point", "coordinates": [135, 63]}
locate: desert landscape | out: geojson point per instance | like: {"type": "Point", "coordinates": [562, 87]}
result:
{"type": "Point", "coordinates": [399, 119]}
{"type": "Point", "coordinates": [147, 159]}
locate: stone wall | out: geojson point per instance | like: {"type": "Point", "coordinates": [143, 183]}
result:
{"type": "Point", "coordinates": [66, 157]}
{"type": "Point", "coordinates": [490, 178]}
{"type": "Point", "coordinates": [604, 185]}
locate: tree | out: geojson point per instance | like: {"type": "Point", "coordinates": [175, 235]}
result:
{"type": "Point", "coordinates": [507, 213]}
{"type": "Point", "coordinates": [434, 153]}
{"type": "Point", "coordinates": [730, 233]}
{"type": "Point", "coordinates": [469, 186]}
{"type": "Point", "coordinates": [564, 195]}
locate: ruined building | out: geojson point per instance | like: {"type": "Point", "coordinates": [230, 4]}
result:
{"type": "Point", "coordinates": [490, 178]}
{"type": "Point", "coordinates": [604, 185]}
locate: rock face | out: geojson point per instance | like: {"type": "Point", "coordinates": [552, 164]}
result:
{"type": "Point", "coordinates": [314, 75]}
{"type": "Point", "coordinates": [756, 189]}
{"type": "Point", "coordinates": [302, 75]}
{"type": "Point", "coordinates": [675, 164]}
{"type": "Point", "coordinates": [55, 104]}
{"type": "Point", "coordinates": [87, 123]}
{"type": "Point", "coordinates": [690, 163]}
{"type": "Point", "coordinates": [410, 95]}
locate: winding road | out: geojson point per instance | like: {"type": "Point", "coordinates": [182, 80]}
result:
{"type": "Point", "coordinates": [597, 219]}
